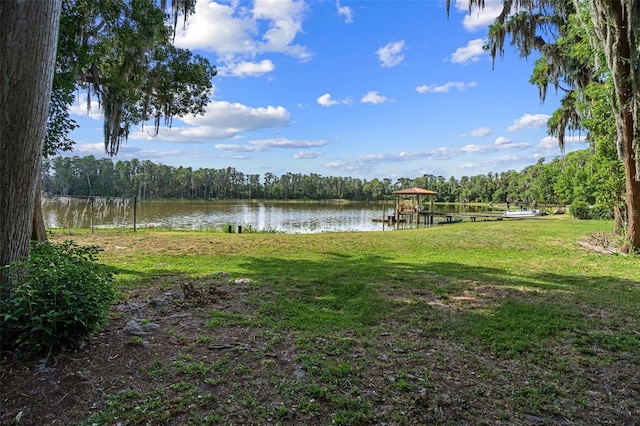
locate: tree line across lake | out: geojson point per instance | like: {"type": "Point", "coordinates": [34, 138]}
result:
{"type": "Point", "coordinates": [574, 177]}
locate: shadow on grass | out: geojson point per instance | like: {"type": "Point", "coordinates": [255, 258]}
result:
{"type": "Point", "coordinates": [505, 312]}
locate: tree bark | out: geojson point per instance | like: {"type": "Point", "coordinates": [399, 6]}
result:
{"type": "Point", "coordinates": [28, 41]}
{"type": "Point", "coordinates": [39, 231]}
{"type": "Point", "coordinates": [622, 73]}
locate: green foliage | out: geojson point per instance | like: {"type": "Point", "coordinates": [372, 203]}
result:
{"type": "Point", "coordinates": [602, 212]}
{"type": "Point", "coordinates": [54, 298]}
{"type": "Point", "coordinates": [122, 54]}
{"type": "Point", "coordinates": [580, 175]}
{"type": "Point", "coordinates": [581, 210]}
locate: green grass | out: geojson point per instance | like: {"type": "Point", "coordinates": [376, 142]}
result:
{"type": "Point", "coordinates": [515, 309]}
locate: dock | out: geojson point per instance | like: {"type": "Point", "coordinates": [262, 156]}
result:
{"type": "Point", "coordinates": [429, 217]}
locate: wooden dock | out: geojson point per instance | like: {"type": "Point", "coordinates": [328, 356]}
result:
{"type": "Point", "coordinates": [428, 217]}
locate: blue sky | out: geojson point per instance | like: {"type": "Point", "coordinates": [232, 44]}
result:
{"type": "Point", "coordinates": [367, 89]}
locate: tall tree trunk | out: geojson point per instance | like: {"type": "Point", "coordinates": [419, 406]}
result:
{"type": "Point", "coordinates": [39, 231]}
{"type": "Point", "coordinates": [28, 40]}
{"type": "Point", "coordinates": [615, 22]}
{"type": "Point", "coordinates": [632, 184]}
{"type": "Point", "coordinates": [623, 75]}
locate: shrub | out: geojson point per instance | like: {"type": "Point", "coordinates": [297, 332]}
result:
{"type": "Point", "coordinates": [54, 298]}
{"type": "Point", "coordinates": [602, 212]}
{"type": "Point", "coordinates": [580, 210]}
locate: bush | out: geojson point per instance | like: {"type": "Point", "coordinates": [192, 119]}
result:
{"type": "Point", "coordinates": [602, 212]}
{"type": "Point", "coordinates": [581, 210]}
{"type": "Point", "coordinates": [54, 298]}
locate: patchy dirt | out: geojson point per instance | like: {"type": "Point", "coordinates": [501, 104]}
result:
{"type": "Point", "coordinates": [193, 352]}
{"type": "Point", "coordinates": [602, 242]}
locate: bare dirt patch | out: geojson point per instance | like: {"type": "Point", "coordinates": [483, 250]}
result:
{"type": "Point", "coordinates": [602, 242]}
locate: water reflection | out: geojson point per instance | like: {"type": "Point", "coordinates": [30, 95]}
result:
{"type": "Point", "coordinates": [263, 216]}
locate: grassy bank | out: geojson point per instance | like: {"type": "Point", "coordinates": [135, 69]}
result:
{"type": "Point", "coordinates": [472, 323]}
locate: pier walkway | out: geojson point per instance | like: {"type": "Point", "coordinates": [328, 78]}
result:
{"type": "Point", "coordinates": [429, 217]}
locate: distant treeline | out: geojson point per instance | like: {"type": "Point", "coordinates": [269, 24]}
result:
{"type": "Point", "coordinates": [562, 180]}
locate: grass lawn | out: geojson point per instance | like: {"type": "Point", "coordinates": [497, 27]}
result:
{"type": "Point", "coordinates": [509, 322]}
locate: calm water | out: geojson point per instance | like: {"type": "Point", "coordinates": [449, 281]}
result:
{"type": "Point", "coordinates": [276, 216]}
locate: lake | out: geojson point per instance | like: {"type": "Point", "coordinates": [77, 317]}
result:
{"type": "Point", "coordinates": [263, 216]}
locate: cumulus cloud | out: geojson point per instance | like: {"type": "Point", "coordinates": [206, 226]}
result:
{"type": "Point", "coordinates": [551, 142]}
{"type": "Point", "coordinates": [222, 120]}
{"type": "Point", "coordinates": [218, 28]}
{"type": "Point", "coordinates": [374, 98]}
{"type": "Point", "coordinates": [391, 54]}
{"type": "Point", "coordinates": [444, 88]}
{"type": "Point", "coordinates": [267, 144]}
{"type": "Point", "coordinates": [235, 31]}
{"type": "Point", "coordinates": [81, 107]}
{"type": "Point", "coordinates": [472, 52]}
{"type": "Point", "coordinates": [548, 142]}
{"type": "Point", "coordinates": [345, 12]}
{"type": "Point", "coordinates": [284, 18]}
{"type": "Point", "coordinates": [501, 140]}
{"type": "Point", "coordinates": [326, 100]}
{"type": "Point", "coordinates": [252, 69]}
{"type": "Point", "coordinates": [479, 18]}
{"type": "Point", "coordinates": [529, 121]}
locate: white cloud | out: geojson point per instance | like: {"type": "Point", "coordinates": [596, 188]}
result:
{"type": "Point", "coordinates": [529, 121]}
{"type": "Point", "coordinates": [253, 69]}
{"type": "Point", "coordinates": [307, 155]}
{"type": "Point", "coordinates": [267, 144]}
{"type": "Point", "coordinates": [391, 54]}
{"type": "Point", "coordinates": [80, 108]}
{"type": "Point", "coordinates": [500, 143]}
{"type": "Point", "coordinates": [88, 149]}
{"type": "Point", "coordinates": [478, 133]}
{"type": "Point", "coordinates": [363, 161]}
{"type": "Point", "coordinates": [506, 159]}
{"type": "Point", "coordinates": [233, 31]}
{"type": "Point", "coordinates": [551, 142]}
{"type": "Point", "coordinates": [476, 148]}
{"type": "Point", "coordinates": [466, 166]}
{"type": "Point", "coordinates": [470, 53]}
{"type": "Point", "coordinates": [346, 12]}
{"type": "Point", "coordinates": [284, 18]}
{"type": "Point", "coordinates": [501, 140]}
{"type": "Point", "coordinates": [444, 88]}
{"type": "Point", "coordinates": [219, 28]}
{"type": "Point", "coordinates": [373, 98]}
{"type": "Point", "coordinates": [222, 120]}
{"type": "Point", "coordinates": [479, 18]}
{"type": "Point", "coordinates": [326, 100]}
{"type": "Point", "coordinates": [126, 152]}
{"type": "Point", "coordinates": [548, 142]}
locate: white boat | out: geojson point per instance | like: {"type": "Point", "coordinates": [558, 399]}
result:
{"type": "Point", "coordinates": [523, 213]}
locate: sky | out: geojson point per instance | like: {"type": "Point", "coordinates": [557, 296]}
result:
{"type": "Point", "coordinates": [364, 89]}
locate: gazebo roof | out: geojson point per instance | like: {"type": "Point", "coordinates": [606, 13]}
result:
{"type": "Point", "coordinates": [414, 191]}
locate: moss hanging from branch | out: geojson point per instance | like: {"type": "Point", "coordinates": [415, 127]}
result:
{"type": "Point", "coordinates": [617, 33]}
{"type": "Point", "coordinates": [129, 64]}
